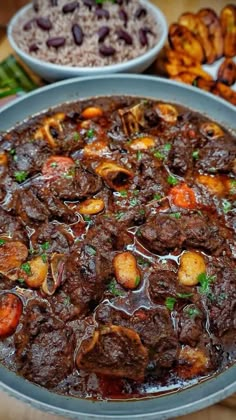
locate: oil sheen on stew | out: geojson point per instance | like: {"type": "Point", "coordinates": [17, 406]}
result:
{"type": "Point", "coordinates": [117, 248]}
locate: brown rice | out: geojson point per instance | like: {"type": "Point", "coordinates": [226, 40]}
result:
{"type": "Point", "coordinates": [88, 53]}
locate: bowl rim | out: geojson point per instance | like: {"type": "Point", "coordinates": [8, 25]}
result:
{"type": "Point", "coordinates": [163, 407]}
{"type": "Point", "coordinates": [88, 70]}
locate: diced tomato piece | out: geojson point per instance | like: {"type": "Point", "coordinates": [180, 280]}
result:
{"type": "Point", "coordinates": [57, 166]}
{"type": "Point", "coordinates": [183, 196]}
{"type": "Point", "coordinates": [10, 313]}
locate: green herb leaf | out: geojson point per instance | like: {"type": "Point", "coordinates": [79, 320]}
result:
{"type": "Point", "coordinates": [67, 301]}
{"type": "Point", "coordinates": [170, 303]}
{"type": "Point", "coordinates": [122, 193]}
{"type": "Point", "coordinates": [233, 186]}
{"type": "Point", "coordinates": [195, 154]}
{"type": "Point", "coordinates": [157, 196]}
{"type": "Point", "coordinates": [226, 206]}
{"type": "Point", "coordinates": [136, 192]}
{"type": "Point", "coordinates": [192, 312]}
{"type": "Point", "coordinates": [45, 246]}
{"type": "Point", "coordinates": [26, 268]}
{"type": "Point", "coordinates": [205, 282]}
{"type": "Point", "coordinates": [137, 281]}
{"type": "Point", "coordinates": [133, 202]}
{"type": "Point", "coordinates": [12, 151]}
{"type": "Point", "coordinates": [158, 155]}
{"type": "Point", "coordinates": [91, 250]}
{"type": "Point", "coordinates": [90, 133]}
{"type": "Point", "coordinates": [2, 242]}
{"type": "Point", "coordinates": [119, 215]}
{"type": "Point", "coordinates": [21, 280]}
{"type": "Point", "coordinates": [167, 147]}
{"type": "Point", "coordinates": [53, 165]}
{"type": "Point", "coordinates": [87, 218]}
{"type": "Point", "coordinates": [44, 258]}
{"type": "Point", "coordinates": [139, 155]}
{"type": "Point", "coordinates": [172, 180]}
{"type": "Point", "coordinates": [176, 215]}
{"type": "Point", "coordinates": [142, 212]}
{"type": "Point", "coordinates": [76, 136]}
{"type": "Point", "coordinates": [184, 295]}
{"type": "Point", "coordinates": [20, 176]}
{"type": "Point", "coordinates": [112, 287]}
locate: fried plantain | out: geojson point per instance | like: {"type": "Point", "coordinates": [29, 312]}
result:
{"type": "Point", "coordinates": [228, 24]}
{"type": "Point", "coordinates": [215, 35]}
{"type": "Point", "coordinates": [181, 39]}
{"type": "Point", "coordinates": [185, 77]}
{"type": "Point", "coordinates": [200, 30]}
{"type": "Point", "coordinates": [182, 59]}
{"type": "Point", "coordinates": [204, 84]}
{"type": "Point", "coordinates": [173, 70]}
{"type": "Point", "coordinates": [227, 72]}
{"type": "Point", "coordinates": [224, 92]}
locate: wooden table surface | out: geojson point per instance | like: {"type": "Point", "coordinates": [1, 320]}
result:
{"type": "Point", "coordinates": [10, 408]}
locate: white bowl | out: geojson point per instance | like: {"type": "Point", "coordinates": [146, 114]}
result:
{"type": "Point", "coordinates": [52, 72]}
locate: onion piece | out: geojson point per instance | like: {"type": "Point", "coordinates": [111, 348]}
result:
{"type": "Point", "coordinates": [50, 285]}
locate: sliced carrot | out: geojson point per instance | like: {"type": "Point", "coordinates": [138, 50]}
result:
{"type": "Point", "coordinates": [3, 159]}
{"type": "Point", "coordinates": [183, 196]}
{"type": "Point", "coordinates": [92, 112]}
{"type": "Point", "coordinates": [10, 313]}
{"type": "Point", "coordinates": [126, 270]}
{"type": "Point", "coordinates": [58, 166]}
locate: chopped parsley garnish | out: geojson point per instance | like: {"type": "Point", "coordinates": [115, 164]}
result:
{"type": "Point", "coordinates": [15, 158]}
{"type": "Point", "coordinates": [70, 173]}
{"type": "Point", "coordinates": [21, 280]}
{"type": "Point", "coordinates": [170, 303]}
{"type": "Point", "coordinates": [90, 133]}
{"type": "Point", "coordinates": [122, 193]}
{"type": "Point", "coordinates": [176, 215]}
{"type": "Point", "coordinates": [87, 218]}
{"type": "Point", "coordinates": [143, 262]}
{"type": "Point", "coordinates": [205, 282]}
{"type": "Point", "coordinates": [2, 242]}
{"type": "Point", "coordinates": [172, 180]}
{"type": "Point", "coordinates": [119, 215]}
{"type": "Point", "coordinates": [158, 155]}
{"type": "Point", "coordinates": [76, 136]}
{"type": "Point", "coordinates": [192, 312]}
{"type": "Point", "coordinates": [137, 281]}
{"type": "Point", "coordinates": [133, 202]}
{"type": "Point", "coordinates": [184, 295]}
{"type": "Point", "coordinates": [142, 212]}
{"type": "Point", "coordinates": [157, 196]}
{"type": "Point", "coordinates": [91, 250]}
{"type": "Point", "coordinates": [233, 186]}
{"type": "Point", "coordinates": [26, 268]}
{"type": "Point", "coordinates": [67, 301]}
{"type": "Point", "coordinates": [53, 165]}
{"type": "Point", "coordinates": [20, 176]}
{"type": "Point", "coordinates": [195, 154]}
{"type": "Point", "coordinates": [12, 151]}
{"type": "Point", "coordinates": [167, 147]}
{"type": "Point", "coordinates": [139, 155]}
{"type": "Point", "coordinates": [45, 246]}
{"type": "Point", "coordinates": [136, 192]}
{"type": "Point", "coordinates": [44, 258]}
{"type": "Point", "coordinates": [112, 287]}
{"type": "Point", "coordinates": [226, 206]}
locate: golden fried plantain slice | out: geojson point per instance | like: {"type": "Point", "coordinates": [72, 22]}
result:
{"type": "Point", "coordinates": [225, 92]}
{"type": "Point", "coordinates": [204, 84]}
{"type": "Point", "coordinates": [227, 72]}
{"type": "Point", "coordinates": [228, 24]}
{"type": "Point", "coordinates": [212, 22]}
{"type": "Point", "coordinates": [182, 40]}
{"type": "Point", "coordinates": [173, 70]}
{"type": "Point", "coordinates": [185, 77]}
{"type": "Point", "coordinates": [181, 59]}
{"type": "Point", "coordinates": [199, 29]}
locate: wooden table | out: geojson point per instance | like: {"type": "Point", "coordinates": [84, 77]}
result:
{"type": "Point", "coordinates": [11, 409]}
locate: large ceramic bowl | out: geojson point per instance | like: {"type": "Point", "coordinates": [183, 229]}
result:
{"type": "Point", "coordinates": [52, 72]}
{"type": "Point", "coordinates": [169, 405]}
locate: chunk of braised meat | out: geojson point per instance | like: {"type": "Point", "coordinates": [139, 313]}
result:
{"type": "Point", "coordinates": [56, 236]}
{"type": "Point", "coordinates": [191, 325]}
{"type": "Point", "coordinates": [217, 155]}
{"type": "Point", "coordinates": [180, 157]}
{"type": "Point", "coordinates": [154, 328]}
{"type": "Point", "coordinates": [76, 186]}
{"type": "Point", "coordinates": [44, 346]}
{"type": "Point", "coordinates": [55, 206]}
{"type": "Point", "coordinates": [114, 351]}
{"type": "Point", "coordinates": [29, 207]}
{"type": "Point", "coordinates": [161, 234]}
{"type": "Point", "coordinates": [86, 272]}
{"type": "Point", "coordinates": [62, 306]}
{"type": "Point", "coordinates": [30, 156]}
{"type": "Point", "coordinates": [223, 315]}
{"type": "Point", "coordinates": [12, 226]}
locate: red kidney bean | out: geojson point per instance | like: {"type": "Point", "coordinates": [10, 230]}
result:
{"type": "Point", "coordinates": [36, 6]}
{"type": "Point", "coordinates": [125, 36]}
{"type": "Point", "coordinates": [77, 34]}
{"type": "Point", "coordinates": [54, 3]}
{"type": "Point", "coordinates": [102, 13]}
{"type": "Point", "coordinates": [107, 51]}
{"type": "Point", "coordinates": [89, 3]}
{"type": "Point", "coordinates": [44, 23]}
{"type": "Point", "coordinates": [103, 32]}
{"type": "Point", "coordinates": [143, 37]}
{"type": "Point", "coordinates": [56, 42]}
{"type": "Point", "coordinates": [140, 12]}
{"type": "Point", "coordinates": [33, 48]}
{"type": "Point", "coordinates": [123, 16]}
{"type": "Point", "coordinates": [28, 25]}
{"type": "Point", "coordinates": [70, 7]}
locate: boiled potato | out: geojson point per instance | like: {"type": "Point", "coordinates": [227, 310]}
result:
{"type": "Point", "coordinates": [191, 265]}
